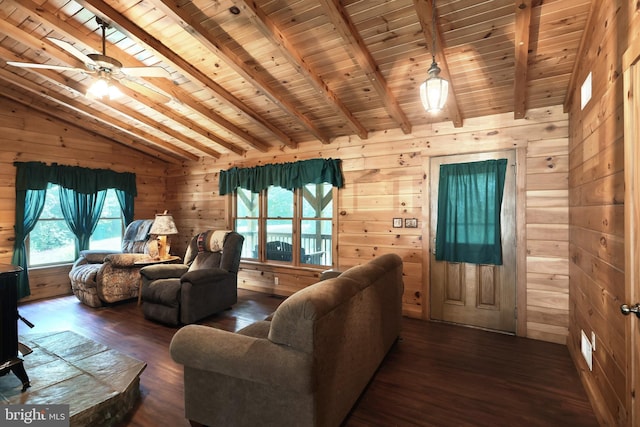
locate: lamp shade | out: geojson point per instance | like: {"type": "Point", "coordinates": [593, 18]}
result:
{"type": "Point", "coordinates": [434, 90]}
{"type": "Point", "coordinates": [163, 225]}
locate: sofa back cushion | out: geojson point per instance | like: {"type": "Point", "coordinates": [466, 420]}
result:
{"type": "Point", "coordinates": [367, 293]}
{"type": "Point", "coordinates": [205, 260]}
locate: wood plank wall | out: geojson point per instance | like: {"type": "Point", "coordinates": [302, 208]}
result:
{"type": "Point", "coordinates": [385, 179]}
{"type": "Point", "coordinates": [596, 211]}
{"type": "Point", "coordinates": [27, 135]}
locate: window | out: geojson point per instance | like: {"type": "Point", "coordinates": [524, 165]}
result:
{"type": "Point", "coordinates": [52, 242]}
{"type": "Point", "coordinates": [287, 226]}
{"type": "Point", "coordinates": [109, 231]}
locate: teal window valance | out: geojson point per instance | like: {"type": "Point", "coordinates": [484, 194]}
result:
{"type": "Point", "coordinates": [38, 175]}
{"type": "Point", "coordinates": [285, 175]}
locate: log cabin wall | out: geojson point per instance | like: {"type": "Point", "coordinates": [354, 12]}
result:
{"type": "Point", "coordinates": [385, 178]}
{"type": "Point", "coordinates": [596, 210]}
{"type": "Point", "coordinates": [27, 135]}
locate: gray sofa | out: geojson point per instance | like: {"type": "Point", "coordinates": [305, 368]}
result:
{"type": "Point", "coordinates": [307, 365]}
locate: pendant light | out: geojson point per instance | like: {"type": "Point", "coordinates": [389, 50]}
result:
{"type": "Point", "coordinates": [434, 90]}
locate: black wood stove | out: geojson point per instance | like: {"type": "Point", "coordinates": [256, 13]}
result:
{"type": "Point", "coordinates": [9, 360]}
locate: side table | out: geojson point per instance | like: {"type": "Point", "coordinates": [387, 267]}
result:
{"type": "Point", "coordinates": [151, 261]}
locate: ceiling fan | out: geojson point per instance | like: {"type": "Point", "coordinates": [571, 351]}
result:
{"type": "Point", "coordinates": [105, 67]}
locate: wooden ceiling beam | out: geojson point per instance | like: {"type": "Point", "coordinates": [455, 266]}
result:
{"type": "Point", "coordinates": [191, 25]}
{"type": "Point", "coordinates": [71, 85]}
{"type": "Point", "coordinates": [94, 122]}
{"type": "Point", "coordinates": [79, 38]}
{"type": "Point", "coordinates": [424, 10]}
{"type": "Point", "coordinates": [522, 32]}
{"type": "Point", "coordinates": [124, 25]}
{"type": "Point", "coordinates": [358, 49]}
{"type": "Point", "coordinates": [272, 32]}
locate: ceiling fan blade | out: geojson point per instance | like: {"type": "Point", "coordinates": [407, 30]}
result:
{"type": "Point", "coordinates": [146, 91]}
{"type": "Point", "coordinates": [71, 49]}
{"type": "Point", "coordinates": [46, 66]}
{"type": "Point", "coordinates": [146, 72]}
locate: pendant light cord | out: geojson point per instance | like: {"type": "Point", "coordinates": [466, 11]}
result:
{"type": "Point", "coordinates": [433, 29]}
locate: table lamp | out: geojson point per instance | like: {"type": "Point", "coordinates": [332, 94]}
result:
{"type": "Point", "coordinates": [163, 226]}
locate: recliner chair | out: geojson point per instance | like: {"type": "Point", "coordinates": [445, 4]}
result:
{"type": "Point", "coordinates": [205, 284]}
{"type": "Point", "coordinates": [103, 276]}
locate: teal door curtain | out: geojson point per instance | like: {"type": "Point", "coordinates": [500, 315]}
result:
{"type": "Point", "coordinates": [469, 203]}
{"type": "Point", "coordinates": [82, 192]}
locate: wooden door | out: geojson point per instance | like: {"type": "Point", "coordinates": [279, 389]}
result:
{"type": "Point", "coordinates": [476, 295]}
{"type": "Point", "coordinates": [631, 64]}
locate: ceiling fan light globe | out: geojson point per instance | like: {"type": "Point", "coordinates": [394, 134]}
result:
{"type": "Point", "coordinates": [98, 89]}
{"type": "Point", "coordinates": [114, 92]}
{"type": "Point", "coordinates": [102, 88]}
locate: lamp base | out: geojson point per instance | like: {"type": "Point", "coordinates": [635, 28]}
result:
{"type": "Point", "coordinates": [163, 247]}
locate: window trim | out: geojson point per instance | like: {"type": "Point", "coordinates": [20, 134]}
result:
{"type": "Point", "coordinates": [297, 219]}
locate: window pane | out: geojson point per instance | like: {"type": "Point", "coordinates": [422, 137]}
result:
{"type": "Point", "coordinates": [108, 232]}
{"type": "Point", "coordinates": [107, 235]}
{"type": "Point", "coordinates": [316, 242]}
{"type": "Point", "coordinates": [51, 242]}
{"type": "Point", "coordinates": [111, 208]}
{"type": "Point", "coordinates": [249, 229]}
{"type": "Point", "coordinates": [248, 205]}
{"type": "Point", "coordinates": [52, 208]}
{"type": "Point", "coordinates": [279, 239]}
{"type": "Point", "coordinates": [279, 203]}
{"type": "Point", "coordinates": [317, 201]}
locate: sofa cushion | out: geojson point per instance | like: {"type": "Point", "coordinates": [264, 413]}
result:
{"type": "Point", "coordinates": [206, 260]}
{"type": "Point", "coordinates": [294, 321]}
{"type": "Point", "coordinates": [86, 274]}
{"type": "Point", "coordinates": [96, 256]}
{"type": "Point", "coordinates": [163, 291]}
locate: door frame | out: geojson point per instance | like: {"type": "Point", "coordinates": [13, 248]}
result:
{"type": "Point", "coordinates": [521, 249]}
{"type": "Point", "coordinates": [631, 66]}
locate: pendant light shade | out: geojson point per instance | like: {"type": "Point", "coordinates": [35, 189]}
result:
{"type": "Point", "coordinates": [434, 90]}
{"type": "Point", "coordinates": [102, 88]}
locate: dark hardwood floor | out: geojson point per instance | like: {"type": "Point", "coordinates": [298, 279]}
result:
{"type": "Point", "coordinates": [435, 375]}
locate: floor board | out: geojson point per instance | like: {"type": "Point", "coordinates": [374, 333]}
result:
{"type": "Point", "coordinates": [435, 375]}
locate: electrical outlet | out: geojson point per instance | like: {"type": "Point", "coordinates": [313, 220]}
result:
{"type": "Point", "coordinates": [275, 280]}
{"type": "Point", "coordinates": [587, 351]}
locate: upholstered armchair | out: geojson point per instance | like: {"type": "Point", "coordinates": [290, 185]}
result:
{"type": "Point", "coordinates": [102, 276]}
{"type": "Point", "coordinates": [205, 284]}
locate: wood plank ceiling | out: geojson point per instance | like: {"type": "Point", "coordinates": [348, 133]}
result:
{"type": "Point", "coordinates": [256, 75]}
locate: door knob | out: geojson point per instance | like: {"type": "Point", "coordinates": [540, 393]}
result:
{"type": "Point", "coordinates": [626, 310]}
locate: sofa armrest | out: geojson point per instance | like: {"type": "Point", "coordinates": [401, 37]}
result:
{"type": "Point", "coordinates": [163, 271]}
{"type": "Point", "coordinates": [329, 274]}
{"type": "Point", "coordinates": [240, 356]}
{"type": "Point", "coordinates": [204, 276]}
{"type": "Point", "coordinates": [124, 260]}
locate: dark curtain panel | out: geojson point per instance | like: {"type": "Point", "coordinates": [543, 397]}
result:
{"type": "Point", "coordinates": [469, 202]}
{"type": "Point", "coordinates": [81, 213]}
{"type": "Point", "coordinates": [29, 205]}
{"type": "Point", "coordinates": [285, 175]}
{"type": "Point", "coordinates": [126, 201]}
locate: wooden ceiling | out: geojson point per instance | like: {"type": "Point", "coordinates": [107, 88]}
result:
{"type": "Point", "coordinates": [262, 74]}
